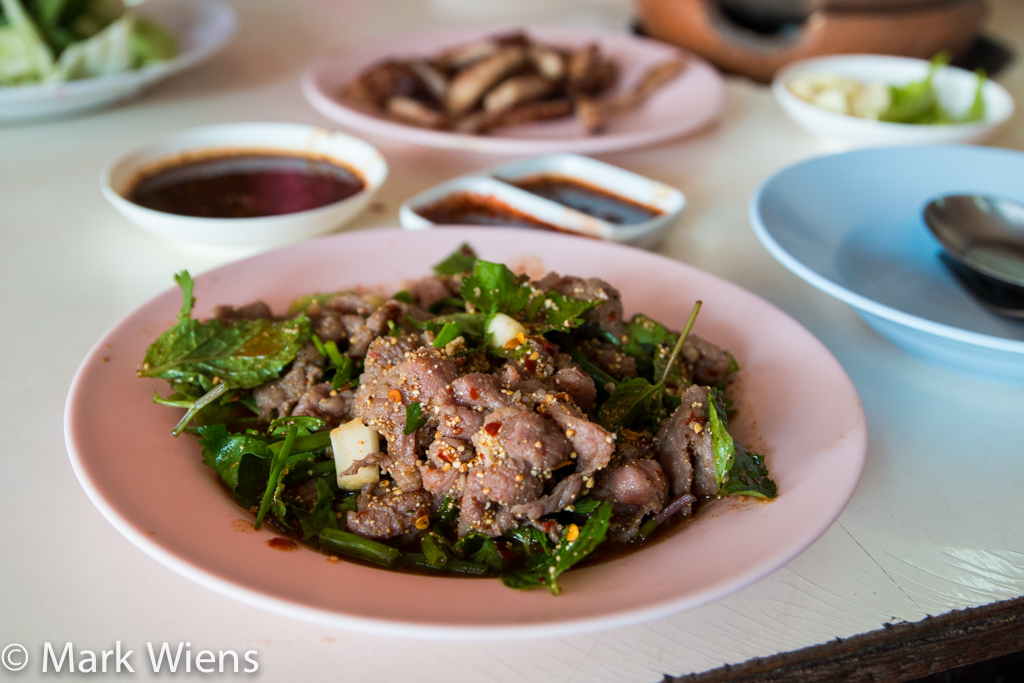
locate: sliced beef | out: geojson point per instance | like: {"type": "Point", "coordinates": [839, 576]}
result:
{"type": "Point", "coordinates": [508, 481]}
{"type": "Point", "coordinates": [448, 452]}
{"type": "Point", "coordinates": [684, 446]}
{"type": "Point", "coordinates": [442, 482]}
{"type": "Point", "coordinates": [388, 512]}
{"type": "Point", "coordinates": [592, 443]}
{"type": "Point", "coordinates": [709, 363]}
{"type": "Point", "coordinates": [640, 483]}
{"type": "Point", "coordinates": [385, 353]}
{"type": "Point", "coordinates": [564, 493]}
{"type": "Point", "coordinates": [636, 489]}
{"type": "Point", "coordinates": [253, 311]}
{"type": "Point", "coordinates": [377, 324]}
{"type": "Point", "coordinates": [277, 398]}
{"type": "Point", "coordinates": [522, 434]}
{"type": "Point", "coordinates": [332, 319]}
{"type": "Point", "coordinates": [334, 407]}
{"type": "Point", "coordinates": [424, 376]}
{"type": "Point", "coordinates": [607, 314]}
{"type": "Point", "coordinates": [484, 516]}
{"type": "Point", "coordinates": [458, 422]}
{"type": "Point", "coordinates": [577, 384]}
{"type": "Point", "coordinates": [479, 390]}
{"type": "Point", "coordinates": [429, 290]}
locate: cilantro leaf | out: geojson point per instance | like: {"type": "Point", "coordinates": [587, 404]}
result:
{"type": "Point", "coordinates": [586, 505]}
{"type": "Point", "coordinates": [559, 313]}
{"type": "Point", "coordinates": [413, 419]}
{"type": "Point", "coordinates": [461, 260]}
{"type": "Point", "coordinates": [544, 570]}
{"type": "Point", "coordinates": [493, 288]}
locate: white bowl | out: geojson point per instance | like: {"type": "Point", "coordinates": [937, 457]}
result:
{"type": "Point", "coordinates": [955, 88]}
{"type": "Point", "coordinates": [201, 27]}
{"type": "Point", "coordinates": [497, 181]}
{"type": "Point", "coordinates": [123, 171]}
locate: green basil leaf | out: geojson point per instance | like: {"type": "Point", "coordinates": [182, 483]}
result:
{"type": "Point", "coordinates": [195, 356]}
{"type": "Point", "coordinates": [544, 570]}
{"type": "Point", "coordinates": [633, 402]}
{"type": "Point", "coordinates": [721, 440]}
{"type": "Point", "coordinates": [321, 516]}
{"type": "Point", "coordinates": [748, 476]}
{"type": "Point", "coordinates": [242, 461]}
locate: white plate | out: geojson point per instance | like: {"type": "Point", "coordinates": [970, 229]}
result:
{"type": "Point", "coordinates": [689, 102]}
{"type": "Point", "coordinates": [201, 26]}
{"type": "Point", "coordinates": [851, 225]}
{"type": "Point", "coordinates": [155, 490]}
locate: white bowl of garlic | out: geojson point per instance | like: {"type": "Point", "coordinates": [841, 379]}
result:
{"type": "Point", "coordinates": [881, 100]}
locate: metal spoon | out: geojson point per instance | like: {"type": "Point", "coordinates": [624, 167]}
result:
{"type": "Point", "coordinates": [984, 242]}
{"type": "Point", "coordinates": [999, 297]}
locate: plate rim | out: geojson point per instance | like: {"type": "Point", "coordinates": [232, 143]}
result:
{"type": "Point", "coordinates": [366, 123]}
{"type": "Point", "coordinates": [856, 431]}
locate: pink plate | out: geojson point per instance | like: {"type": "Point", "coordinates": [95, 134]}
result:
{"type": "Point", "coordinates": [689, 102]}
{"type": "Point", "coordinates": [795, 404]}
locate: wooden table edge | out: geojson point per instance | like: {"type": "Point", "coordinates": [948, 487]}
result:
{"type": "Point", "coordinates": [897, 652]}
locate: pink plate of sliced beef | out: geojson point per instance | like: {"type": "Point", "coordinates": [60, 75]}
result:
{"type": "Point", "coordinates": [792, 402]}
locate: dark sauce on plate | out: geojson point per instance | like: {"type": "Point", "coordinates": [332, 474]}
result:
{"type": "Point", "coordinates": [587, 199]}
{"type": "Point", "coordinates": [244, 185]}
{"type": "Point", "coordinates": [468, 208]}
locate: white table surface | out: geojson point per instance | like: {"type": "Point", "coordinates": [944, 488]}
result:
{"type": "Point", "coordinates": [934, 526]}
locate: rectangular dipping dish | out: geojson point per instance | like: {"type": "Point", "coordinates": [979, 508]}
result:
{"type": "Point", "coordinates": [560, 192]}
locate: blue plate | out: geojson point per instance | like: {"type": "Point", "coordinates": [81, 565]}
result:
{"type": "Point", "coordinates": [851, 225]}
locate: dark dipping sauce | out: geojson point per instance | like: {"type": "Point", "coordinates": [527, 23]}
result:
{"type": "Point", "coordinates": [245, 185]}
{"type": "Point", "coordinates": [587, 199]}
{"type": "Point", "coordinates": [467, 208]}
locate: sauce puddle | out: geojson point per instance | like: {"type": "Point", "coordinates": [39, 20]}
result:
{"type": "Point", "coordinates": [244, 185]}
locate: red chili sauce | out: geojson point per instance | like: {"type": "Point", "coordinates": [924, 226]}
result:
{"type": "Point", "coordinates": [467, 208]}
{"type": "Point", "coordinates": [280, 543]}
{"type": "Point", "coordinates": [588, 199]}
{"type": "Point", "coordinates": [245, 185]}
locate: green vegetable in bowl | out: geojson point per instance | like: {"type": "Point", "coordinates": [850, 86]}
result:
{"type": "Point", "coordinates": [918, 102]}
{"type": "Point", "coordinates": [53, 41]}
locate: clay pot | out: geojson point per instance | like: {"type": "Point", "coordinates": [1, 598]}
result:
{"type": "Point", "coordinates": [909, 28]}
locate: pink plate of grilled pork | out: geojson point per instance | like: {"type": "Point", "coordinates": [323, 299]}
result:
{"type": "Point", "coordinates": [517, 91]}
